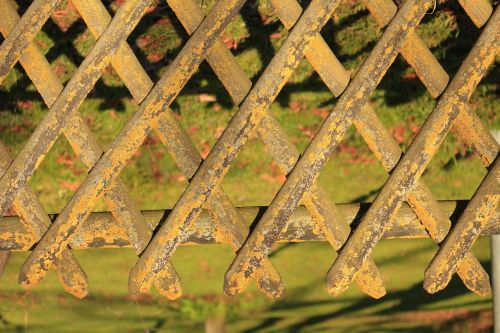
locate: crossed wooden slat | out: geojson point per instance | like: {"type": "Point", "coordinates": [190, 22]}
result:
{"type": "Point", "coordinates": [188, 159]}
{"type": "Point", "coordinates": [431, 73]}
{"type": "Point", "coordinates": [422, 202]}
{"type": "Point", "coordinates": [482, 207]}
{"type": "Point", "coordinates": [97, 165]}
{"type": "Point", "coordinates": [221, 206]}
{"type": "Point", "coordinates": [23, 33]}
{"type": "Point", "coordinates": [374, 132]}
{"type": "Point", "coordinates": [250, 114]}
{"type": "Point", "coordinates": [420, 58]}
{"type": "Point", "coordinates": [184, 152]}
{"type": "Point", "coordinates": [479, 138]}
{"type": "Point", "coordinates": [475, 277]}
{"type": "Point", "coordinates": [26, 204]}
{"type": "Point", "coordinates": [67, 102]}
{"type": "Point", "coordinates": [83, 141]}
{"type": "Point", "coordinates": [285, 154]}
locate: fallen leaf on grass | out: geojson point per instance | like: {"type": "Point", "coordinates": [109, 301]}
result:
{"type": "Point", "coordinates": [295, 106]}
{"type": "Point", "coordinates": [276, 35]}
{"type": "Point", "coordinates": [398, 133]}
{"type": "Point", "coordinates": [178, 177]}
{"type": "Point", "coordinates": [25, 104]}
{"type": "Point", "coordinates": [219, 131]}
{"type": "Point", "coordinates": [154, 57]}
{"type": "Point", "coordinates": [65, 159]}
{"type": "Point", "coordinates": [206, 98]}
{"type": "Point", "coordinates": [307, 131]}
{"type": "Point", "coordinates": [321, 112]}
{"type": "Point", "coordinates": [70, 186]}
{"type": "Point", "coordinates": [205, 149]}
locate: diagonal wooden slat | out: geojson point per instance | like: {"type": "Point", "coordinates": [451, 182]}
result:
{"type": "Point", "coordinates": [371, 129]}
{"type": "Point", "coordinates": [220, 59]}
{"type": "Point", "coordinates": [87, 146]}
{"type": "Point", "coordinates": [125, 63]}
{"type": "Point", "coordinates": [318, 53]}
{"type": "Point", "coordinates": [479, 11]}
{"type": "Point", "coordinates": [186, 155]}
{"type": "Point", "coordinates": [181, 148]}
{"type": "Point", "coordinates": [96, 16]}
{"type": "Point", "coordinates": [388, 152]}
{"type": "Point", "coordinates": [435, 78]}
{"type": "Point", "coordinates": [416, 53]}
{"type": "Point", "coordinates": [78, 134]}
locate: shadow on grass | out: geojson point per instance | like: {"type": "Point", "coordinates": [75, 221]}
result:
{"type": "Point", "coordinates": [395, 306]}
{"type": "Point", "coordinates": [391, 305]}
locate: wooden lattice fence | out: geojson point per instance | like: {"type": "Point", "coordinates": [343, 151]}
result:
{"type": "Point", "coordinates": [404, 207]}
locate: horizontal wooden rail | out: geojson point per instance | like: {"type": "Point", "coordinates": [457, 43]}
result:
{"type": "Point", "coordinates": [101, 230]}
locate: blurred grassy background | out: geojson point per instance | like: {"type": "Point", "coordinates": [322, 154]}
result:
{"type": "Point", "coordinates": [204, 108]}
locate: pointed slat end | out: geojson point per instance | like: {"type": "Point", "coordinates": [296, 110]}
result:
{"type": "Point", "coordinates": [335, 287]}
{"type": "Point", "coordinates": [370, 280]}
{"type": "Point", "coordinates": [170, 291]}
{"type": "Point", "coordinates": [168, 283]}
{"type": "Point", "coordinates": [235, 282]}
{"type": "Point", "coordinates": [376, 291]}
{"type": "Point", "coordinates": [432, 286]}
{"type": "Point", "coordinates": [78, 288]}
{"type": "Point", "coordinates": [273, 289]}
{"type": "Point", "coordinates": [436, 277]}
{"type": "Point", "coordinates": [474, 276]}
{"type": "Point", "coordinates": [75, 284]}
{"type": "Point", "coordinates": [480, 287]}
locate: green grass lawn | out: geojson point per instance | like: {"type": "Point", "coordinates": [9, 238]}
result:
{"type": "Point", "coordinates": [203, 108]}
{"type": "Point", "coordinates": [306, 307]}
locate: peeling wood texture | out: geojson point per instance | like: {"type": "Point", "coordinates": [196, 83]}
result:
{"type": "Point", "coordinates": [301, 211]}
